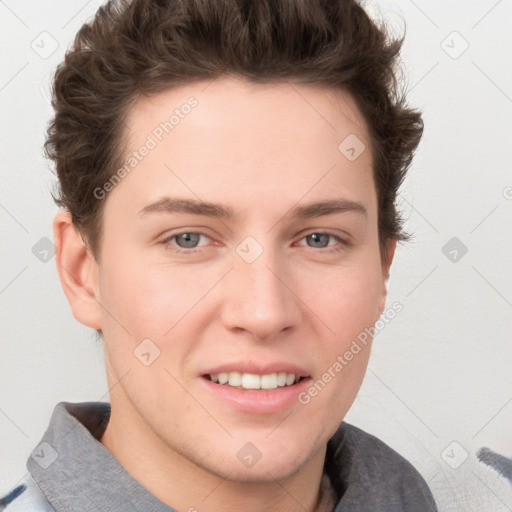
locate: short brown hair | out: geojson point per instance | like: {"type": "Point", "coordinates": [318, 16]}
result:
{"type": "Point", "coordinates": [144, 47]}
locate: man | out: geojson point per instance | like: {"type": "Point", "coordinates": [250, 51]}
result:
{"type": "Point", "coordinates": [228, 173]}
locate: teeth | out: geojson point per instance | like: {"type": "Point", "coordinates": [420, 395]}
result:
{"type": "Point", "coordinates": [269, 381]}
{"type": "Point", "coordinates": [281, 379]}
{"type": "Point", "coordinates": [235, 379]}
{"type": "Point", "coordinates": [253, 381]}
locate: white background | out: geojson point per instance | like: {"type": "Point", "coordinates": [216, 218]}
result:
{"type": "Point", "coordinates": [440, 372]}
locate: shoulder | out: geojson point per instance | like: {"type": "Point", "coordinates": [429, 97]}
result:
{"type": "Point", "coordinates": [372, 472]}
{"type": "Point", "coordinates": [26, 496]}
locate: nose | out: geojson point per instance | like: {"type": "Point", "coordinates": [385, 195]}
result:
{"type": "Point", "coordinates": [260, 298]}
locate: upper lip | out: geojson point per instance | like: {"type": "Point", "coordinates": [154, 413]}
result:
{"type": "Point", "coordinates": [258, 369]}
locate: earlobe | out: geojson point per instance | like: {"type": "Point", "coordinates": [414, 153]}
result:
{"type": "Point", "coordinates": [78, 271]}
{"type": "Point", "coordinates": [386, 265]}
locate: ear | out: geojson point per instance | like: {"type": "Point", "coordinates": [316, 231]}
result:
{"type": "Point", "coordinates": [387, 259]}
{"type": "Point", "coordinates": [78, 271]}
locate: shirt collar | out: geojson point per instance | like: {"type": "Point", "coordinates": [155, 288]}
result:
{"type": "Point", "coordinates": [71, 466]}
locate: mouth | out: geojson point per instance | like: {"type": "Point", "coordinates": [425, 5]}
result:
{"type": "Point", "coordinates": [254, 381]}
{"type": "Point", "coordinates": [249, 387]}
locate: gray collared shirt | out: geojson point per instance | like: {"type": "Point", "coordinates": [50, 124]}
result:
{"type": "Point", "coordinates": [71, 471]}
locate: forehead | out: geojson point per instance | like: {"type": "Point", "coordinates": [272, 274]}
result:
{"type": "Point", "coordinates": [234, 141]}
{"type": "Point", "coordinates": [235, 103]}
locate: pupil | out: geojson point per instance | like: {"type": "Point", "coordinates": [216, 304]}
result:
{"type": "Point", "coordinates": [190, 240]}
{"type": "Point", "coordinates": [316, 239]}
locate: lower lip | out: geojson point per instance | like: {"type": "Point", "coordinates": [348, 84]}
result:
{"type": "Point", "coordinates": [257, 401]}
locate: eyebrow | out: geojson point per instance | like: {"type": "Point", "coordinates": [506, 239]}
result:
{"type": "Point", "coordinates": [328, 207]}
{"type": "Point", "coordinates": [192, 206]}
{"type": "Point", "coordinates": [216, 210]}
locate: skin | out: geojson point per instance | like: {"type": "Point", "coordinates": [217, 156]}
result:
{"type": "Point", "coordinates": [261, 150]}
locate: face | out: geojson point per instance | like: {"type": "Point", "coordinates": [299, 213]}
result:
{"type": "Point", "coordinates": [258, 286]}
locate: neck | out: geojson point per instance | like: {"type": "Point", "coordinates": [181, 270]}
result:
{"type": "Point", "coordinates": [184, 485]}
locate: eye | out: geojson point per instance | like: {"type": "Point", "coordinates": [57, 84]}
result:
{"type": "Point", "coordinates": [187, 240]}
{"type": "Point", "coordinates": [320, 240]}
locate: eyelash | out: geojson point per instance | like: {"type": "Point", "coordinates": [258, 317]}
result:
{"type": "Point", "coordinates": [343, 242]}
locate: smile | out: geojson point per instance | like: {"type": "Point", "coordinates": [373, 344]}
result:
{"type": "Point", "coordinates": [254, 381]}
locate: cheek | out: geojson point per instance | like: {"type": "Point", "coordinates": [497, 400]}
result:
{"type": "Point", "coordinates": [348, 305]}
{"type": "Point", "coordinates": [351, 308]}
{"type": "Point", "coordinates": [143, 303]}
{"type": "Point", "coordinates": [126, 299]}
{"type": "Point", "coordinates": [149, 301]}
{"type": "Point", "coordinates": [349, 301]}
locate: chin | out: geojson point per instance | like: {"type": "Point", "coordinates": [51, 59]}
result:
{"type": "Point", "coordinates": [275, 459]}
{"type": "Point", "coordinates": [265, 471]}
